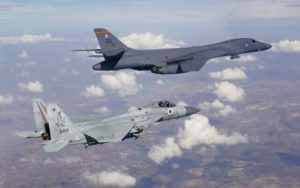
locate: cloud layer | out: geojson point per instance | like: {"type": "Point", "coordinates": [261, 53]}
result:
{"type": "Point", "coordinates": [110, 178]}
{"type": "Point", "coordinates": [150, 41]}
{"type": "Point", "coordinates": [122, 82]}
{"type": "Point", "coordinates": [28, 39]}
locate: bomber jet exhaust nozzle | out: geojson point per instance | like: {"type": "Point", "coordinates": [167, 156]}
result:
{"type": "Point", "coordinates": [97, 66]}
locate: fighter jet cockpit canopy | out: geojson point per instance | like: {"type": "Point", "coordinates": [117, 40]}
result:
{"type": "Point", "coordinates": [161, 104]}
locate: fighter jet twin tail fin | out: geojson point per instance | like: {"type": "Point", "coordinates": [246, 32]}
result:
{"type": "Point", "coordinates": [41, 122]}
{"type": "Point", "coordinates": [52, 125]}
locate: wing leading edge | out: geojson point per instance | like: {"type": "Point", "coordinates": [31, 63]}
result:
{"type": "Point", "coordinates": [118, 130]}
{"type": "Point", "coordinates": [108, 132]}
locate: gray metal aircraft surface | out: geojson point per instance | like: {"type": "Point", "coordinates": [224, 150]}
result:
{"type": "Point", "coordinates": [57, 130]}
{"type": "Point", "coordinates": [166, 61]}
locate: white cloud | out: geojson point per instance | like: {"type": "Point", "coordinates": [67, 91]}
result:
{"type": "Point", "coordinates": [132, 108]}
{"type": "Point", "coordinates": [110, 178]}
{"type": "Point", "coordinates": [23, 55]}
{"type": "Point", "coordinates": [93, 91]}
{"type": "Point", "coordinates": [67, 60]}
{"type": "Point", "coordinates": [150, 41]}
{"type": "Point", "coordinates": [159, 82]}
{"type": "Point", "coordinates": [48, 162]}
{"type": "Point", "coordinates": [243, 58]}
{"type": "Point", "coordinates": [28, 39]}
{"type": "Point", "coordinates": [36, 87]}
{"type": "Point", "coordinates": [75, 73]}
{"type": "Point", "coordinates": [101, 109]}
{"type": "Point", "coordinates": [8, 5]}
{"type": "Point", "coordinates": [28, 64]}
{"type": "Point", "coordinates": [229, 74]}
{"type": "Point", "coordinates": [6, 99]}
{"type": "Point", "coordinates": [69, 160]}
{"type": "Point", "coordinates": [264, 9]}
{"type": "Point", "coordinates": [220, 108]}
{"type": "Point", "coordinates": [181, 103]}
{"type": "Point", "coordinates": [286, 46]}
{"type": "Point", "coordinates": [124, 83]}
{"type": "Point", "coordinates": [229, 92]}
{"type": "Point", "coordinates": [198, 130]}
{"type": "Point", "coordinates": [159, 153]}
{"type": "Point", "coordinates": [214, 60]}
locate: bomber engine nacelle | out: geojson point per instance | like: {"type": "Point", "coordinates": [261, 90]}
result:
{"type": "Point", "coordinates": [168, 69]}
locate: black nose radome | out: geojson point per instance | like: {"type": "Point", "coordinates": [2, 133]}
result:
{"type": "Point", "coordinates": [191, 110]}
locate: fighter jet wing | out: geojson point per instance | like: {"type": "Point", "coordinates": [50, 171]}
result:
{"type": "Point", "coordinates": [112, 131]}
{"type": "Point", "coordinates": [117, 130]}
{"type": "Point", "coordinates": [146, 123]}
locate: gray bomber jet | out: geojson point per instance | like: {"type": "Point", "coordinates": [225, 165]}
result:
{"type": "Point", "coordinates": [166, 61]}
{"type": "Point", "coordinates": [57, 130]}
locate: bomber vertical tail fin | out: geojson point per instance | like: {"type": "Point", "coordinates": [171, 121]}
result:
{"type": "Point", "coordinates": [107, 40]}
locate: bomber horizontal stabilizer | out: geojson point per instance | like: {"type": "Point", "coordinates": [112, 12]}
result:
{"type": "Point", "coordinates": [96, 50]}
{"type": "Point", "coordinates": [96, 55]}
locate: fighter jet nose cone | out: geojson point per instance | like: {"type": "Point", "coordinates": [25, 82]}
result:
{"type": "Point", "coordinates": [97, 66]}
{"type": "Point", "coordinates": [191, 110]}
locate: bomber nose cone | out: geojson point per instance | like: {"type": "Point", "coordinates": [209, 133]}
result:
{"type": "Point", "coordinates": [97, 66]}
{"type": "Point", "coordinates": [268, 46]}
{"type": "Point", "coordinates": [191, 110]}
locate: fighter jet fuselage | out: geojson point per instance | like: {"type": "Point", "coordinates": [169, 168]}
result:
{"type": "Point", "coordinates": [57, 130]}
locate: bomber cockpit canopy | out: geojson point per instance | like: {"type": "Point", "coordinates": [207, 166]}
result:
{"type": "Point", "coordinates": [161, 104]}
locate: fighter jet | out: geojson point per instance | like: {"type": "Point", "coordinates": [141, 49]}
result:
{"type": "Point", "coordinates": [57, 130]}
{"type": "Point", "coordinates": [118, 56]}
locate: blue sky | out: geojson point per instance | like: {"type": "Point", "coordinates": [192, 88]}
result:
{"type": "Point", "coordinates": [203, 21]}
